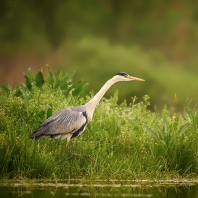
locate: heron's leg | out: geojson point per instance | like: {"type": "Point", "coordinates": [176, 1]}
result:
{"type": "Point", "coordinates": [67, 143]}
{"type": "Point", "coordinates": [68, 138]}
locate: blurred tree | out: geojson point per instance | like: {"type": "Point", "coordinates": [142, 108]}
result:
{"type": "Point", "coordinates": [47, 12]}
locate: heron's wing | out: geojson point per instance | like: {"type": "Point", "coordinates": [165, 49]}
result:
{"type": "Point", "coordinates": [68, 121]}
{"type": "Point", "coordinates": [65, 121]}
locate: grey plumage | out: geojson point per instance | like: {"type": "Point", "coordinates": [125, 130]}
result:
{"type": "Point", "coordinates": [71, 122]}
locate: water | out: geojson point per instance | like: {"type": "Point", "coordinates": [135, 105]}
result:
{"type": "Point", "coordinates": [75, 188]}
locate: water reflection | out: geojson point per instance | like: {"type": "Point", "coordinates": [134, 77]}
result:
{"type": "Point", "coordinates": [55, 190]}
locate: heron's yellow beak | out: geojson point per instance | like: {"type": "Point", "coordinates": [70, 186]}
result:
{"type": "Point", "coordinates": [134, 78]}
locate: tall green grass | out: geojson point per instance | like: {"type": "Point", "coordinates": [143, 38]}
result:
{"type": "Point", "coordinates": [125, 141]}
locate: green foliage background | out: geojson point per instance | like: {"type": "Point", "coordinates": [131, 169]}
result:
{"type": "Point", "coordinates": [154, 40]}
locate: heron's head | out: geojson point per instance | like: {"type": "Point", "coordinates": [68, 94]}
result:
{"type": "Point", "coordinates": [122, 76]}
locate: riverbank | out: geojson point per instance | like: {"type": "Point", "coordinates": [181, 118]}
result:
{"type": "Point", "coordinates": [123, 142]}
{"type": "Point", "coordinates": [25, 182]}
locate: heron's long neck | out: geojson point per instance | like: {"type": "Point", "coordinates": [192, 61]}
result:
{"type": "Point", "coordinates": [91, 105]}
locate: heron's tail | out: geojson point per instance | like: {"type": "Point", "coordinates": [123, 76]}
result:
{"type": "Point", "coordinates": [42, 131]}
{"type": "Point", "coordinates": [38, 133]}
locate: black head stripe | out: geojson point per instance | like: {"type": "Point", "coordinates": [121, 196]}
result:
{"type": "Point", "coordinates": [122, 74]}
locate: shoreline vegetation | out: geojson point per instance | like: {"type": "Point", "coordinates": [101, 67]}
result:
{"type": "Point", "coordinates": [126, 141]}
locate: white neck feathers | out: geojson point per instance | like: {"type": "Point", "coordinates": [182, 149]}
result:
{"type": "Point", "coordinates": [91, 105]}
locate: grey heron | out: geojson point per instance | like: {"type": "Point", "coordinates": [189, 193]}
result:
{"type": "Point", "coordinates": [71, 122]}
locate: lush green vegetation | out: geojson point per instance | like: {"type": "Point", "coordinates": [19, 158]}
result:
{"type": "Point", "coordinates": [122, 142]}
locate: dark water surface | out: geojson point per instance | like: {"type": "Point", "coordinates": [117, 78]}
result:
{"type": "Point", "coordinates": [76, 188]}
